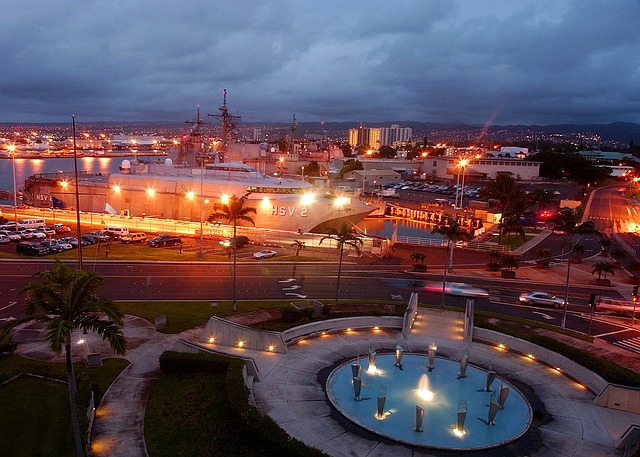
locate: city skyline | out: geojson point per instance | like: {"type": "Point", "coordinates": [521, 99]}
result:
{"type": "Point", "coordinates": [495, 62]}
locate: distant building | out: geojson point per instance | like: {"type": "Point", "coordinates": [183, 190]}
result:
{"type": "Point", "coordinates": [376, 137]}
{"type": "Point", "coordinates": [610, 157]}
{"type": "Point", "coordinates": [514, 151]}
{"type": "Point", "coordinates": [447, 167]}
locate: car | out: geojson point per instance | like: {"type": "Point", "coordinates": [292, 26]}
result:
{"type": "Point", "coordinates": [49, 231]}
{"type": "Point", "coordinates": [65, 245]}
{"type": "Point", "coordinates": [99, 235]}
{"type": "Point", "coordinates": [164, 240]}
{"type": "Point", "coordinates": [11, 226]}
{"type": "Point", "coordinates": [464, 290]}
{"type": "Point", "coordinates": [31, 248]}
{"type": "Point", "coordinates": [24, 234]}
{"type": "Point", "coordinates": [54, 247]}
{"type": "Point", "coordinates": [37, 234]}
{"type": "Point", "coordinates": [73, 241]}
{"type": "Point", "coordinates": [541, 298]}
{"type": "Point", "coordinates": [61, 228]}
{"type": "Point", "coordinates": [13, 236]}
{"type": "Point", "coordinates": [133, 238]}
{"type": "Point", "coordinates": [621, 307]}
{"type": "Point", "coordinates": [4, 239]}
{"type": "Point", "coordinates": [90, 239]}
{"type": "Point", "coordinates": [238, 241]}
{"type": "Point", "coordinates": [558, 231]}
{"type": "Point", "coordinates": [265, 254]}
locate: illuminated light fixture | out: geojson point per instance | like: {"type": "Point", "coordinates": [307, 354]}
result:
{"type": "Point", "coordinates": [191, 195]}
{"type": "Point", "coordinates": [376, 328]}
{"type": "Point", "coordinates": [271, 348]}
{"type": "Point", "coordinates": [206, 201]}
{"type": "Point", "coordinates": [265, 203]}
{"type": "Point", "coordinates": [224, 199]}
{"type": "Point", "coordinates": [348, 329]}
{"type": "Point", "coordinates": [459, 433]}
{"type": "Point", "coordinates": [64, 184]}
{"type": "Point", "coordinates": [212, 340]}
{"type": "Point", "coordinates": [240, 344]}
{"type": "Point", "coordinates": [151, 192]}
{"type": "Point", "coordinates": [116, 188]}
{"type": "Point", "coordinates": [502, 346]}
{"type": "Point", "coordinates": [341, 201]}
{"type": "Point", "coordinates": [559, 369]}
{"type": "Point", "coordinates": [531, 356]}
{"type": "Point", "coordinates": [307, 199]}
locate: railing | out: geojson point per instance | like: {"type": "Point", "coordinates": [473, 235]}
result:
{"type": "Point", "coordinates": [484, 246]}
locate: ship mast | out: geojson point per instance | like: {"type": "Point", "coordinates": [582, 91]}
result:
{"type": "Point", "coordinates": [229, 123]}
{"type": "Point", "coordinates": [188, 154]}
{"type": "Point", "coordinates": [294, 126]}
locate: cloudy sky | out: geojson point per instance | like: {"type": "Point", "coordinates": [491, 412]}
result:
{"type": "Point", "coordinates": [489, 61]}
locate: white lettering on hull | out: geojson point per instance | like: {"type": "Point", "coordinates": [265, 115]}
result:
{"type": "Point", "coordinates": [290, 211]}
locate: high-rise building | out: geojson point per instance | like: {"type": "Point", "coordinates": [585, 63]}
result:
{"type": "Point", "coordinates": [376, 137]}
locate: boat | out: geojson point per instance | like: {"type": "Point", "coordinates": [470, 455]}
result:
{"type": "Point", "coordinates": [187, 184]}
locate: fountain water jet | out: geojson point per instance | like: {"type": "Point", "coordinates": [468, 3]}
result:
{"type": "Point", "coordinates": [423, 388]}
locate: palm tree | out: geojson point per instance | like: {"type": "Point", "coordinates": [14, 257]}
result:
{"type": "Point", "coordinates": [345, 237]}
{"type": "Point", "coordinates": [298, 245]}
{"type": "Point", "coordinates": [418, 261]}
{"type": "Point", "coordinates": [542, 199]}
{"type": "Point", "coordinates": [233, 210]}
{"type": "Point", "coordinates": [602, 269]}
{"type": "Point", "coordinates": [508, 262]}
{"type": "Point", "coordinates": [544, 257]}
{"type": "Point", "coordinates": [569, 221]}
{"type": "Point", "coordinates": [618, 254]}
{"type": "Point", "coordinates": [64, 300]}
{"type": "Point", "coordinates": [505, 189]}
{"type": "Point", "coordinates": [452, 232]}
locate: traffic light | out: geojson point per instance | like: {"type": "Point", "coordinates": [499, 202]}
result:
{"type": "Point", "coordinates": [635, 291]}
{"type": "Point", "coordinates": [592, 300]}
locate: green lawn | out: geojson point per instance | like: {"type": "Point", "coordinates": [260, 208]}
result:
{"type": "Point", "coordinates": [39, 408]}
{"type": "Point", "coordinates": [188, 415]}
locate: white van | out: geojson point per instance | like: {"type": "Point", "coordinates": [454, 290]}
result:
{"type": "Point", "coordinates": [32, 223]}
{"type": "Point", "coordinates": [116, 231]}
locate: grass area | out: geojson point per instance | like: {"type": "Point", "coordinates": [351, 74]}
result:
{"type": "Point", "coordinates": [34, 408]}
{"type": "Point", "coordinates": [40, 408]}
{"type": "Point", "coordinates": [189, 414]}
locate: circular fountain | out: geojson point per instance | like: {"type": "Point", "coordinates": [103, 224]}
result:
{"type": "Point", "coordinates": [428, 401]}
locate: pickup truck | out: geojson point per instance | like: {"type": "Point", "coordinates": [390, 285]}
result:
{"type": "Point", "coordinates": [164, 240]}
{"type": "Point", "coordinates": [29, 248]}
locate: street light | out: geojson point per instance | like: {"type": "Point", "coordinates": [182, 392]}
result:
{"type": "Point", "coordinates": [462, 164]}
{"type": "Point", "coordinates": [12, 150]}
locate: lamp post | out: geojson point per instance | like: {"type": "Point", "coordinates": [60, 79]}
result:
{"type": "Point", "coordinates": [463, 164]}
{"type": "Point", "coordinates": [12, 150]}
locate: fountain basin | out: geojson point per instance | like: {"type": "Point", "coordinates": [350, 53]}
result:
{"type": "Point", "coordinates": [440, 413]}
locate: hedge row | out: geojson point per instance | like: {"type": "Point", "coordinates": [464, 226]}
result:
{"type": "Point", "coordinates": [609, 371]}
{"type": "Point", "coordinates": [273, 438]}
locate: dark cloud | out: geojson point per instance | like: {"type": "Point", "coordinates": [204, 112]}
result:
{"type": "Point", "coordinates": [531, 61]}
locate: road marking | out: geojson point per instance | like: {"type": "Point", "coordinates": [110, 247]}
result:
{"type": "Point", "coordinates": [11, 303]}
{"type": "Point", "coordinates": [632, 344]}
{"type": "Point", "coordinates": [292, 287]}
{"type": "Point", "coordinates": [546, 316]}
{"type": "Point", "coordinates": [288, 280]}
{"type": "Point", "coordinates": [612, 333]}
{"type": "Point", "coordinates": [290, 294]}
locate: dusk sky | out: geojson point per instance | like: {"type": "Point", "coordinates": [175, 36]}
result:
{"type": "Point", "coordinates": [480, 62]}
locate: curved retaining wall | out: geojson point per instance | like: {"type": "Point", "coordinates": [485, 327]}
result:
{"type": "Point", "coordinates": [333, 325]}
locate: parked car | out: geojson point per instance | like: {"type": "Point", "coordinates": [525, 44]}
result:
{"type": "Point", "coordinates": [31, 248]}
{"type": "Point", "coordinates": [49, 231]}
{"type": "Point", "coordinates": [133, 238]}
{"type": "Point", "coordinates": [13, 236]}
{"type": "Point", "coordinates": [164, 240]}
{"type": "Point", "coordinates": [54, 247]}
{"type": "Point", "coordinates": [25, 235]}
{"type": "Point", "coordinates": [99, 235]}
{"type": "Point", "coordinates": [265, 254]}
{"type": "Point", "coordinates": [65, 245]}
{"type": "Point", "coordinates": [61, 228]}
{"type": "Point", "coordinates": [10, 226]}
{"type": "Point", "coordinates": [90, 239]}
{"type": "Point", "coordinates": [4, 239]}
{"type": "Point", "coordinates": [74, 241]}
{"type": "Point", "coordinates": [37, 234]}
{"type": "Point", "coordinates": [541, 298]}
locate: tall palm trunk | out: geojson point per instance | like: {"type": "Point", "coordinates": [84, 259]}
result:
{"type": "Point", "coordinates": [235, 263]}
{"type": "Point", "coordinates": [444, 277]}
{"type": "Point", "coordinates": [72, 401]}
{"type": "Point", "coordinates": [339, 273]}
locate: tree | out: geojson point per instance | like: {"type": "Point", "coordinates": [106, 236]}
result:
{"type": "Point", "coordinates": [233, 210]}
{"type": "Point", "coordinates": [542, 199]}
{"type": "Point", "coordinates": [418, 261]}
{"type": "Point", "coordinates": [568, 221]}
{"type": "Point", "coordinates": [452, 231]}
{"type": "Point", "coordinates": [508, 262]}
{"type": "Point", "coordinates": [505, 190]}
{"type": "Point", "coordinates": [298, 245]}
{"type": "Point", "coordinates": [602, 269]}
{"type": "Point", "coordinates": [313, 169]}
{"type": "Point", "coordinates": [618, 254]}
{"type": "Point", "coordinates": [345, 237]}
{"type": "Point", "coordinates": [65, 300]}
